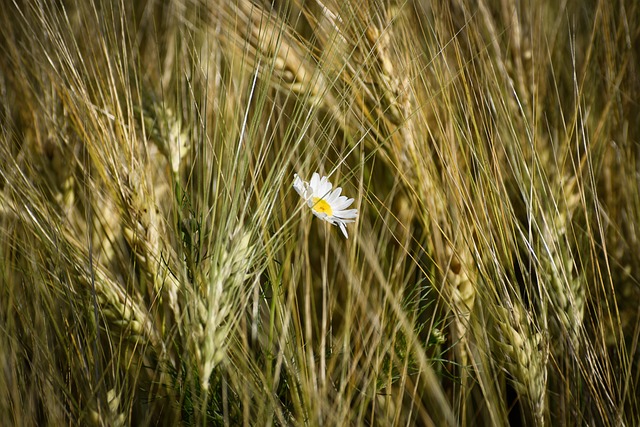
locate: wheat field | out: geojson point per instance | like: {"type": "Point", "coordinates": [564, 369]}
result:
{"type": "Point", "coordinates": [158, 268]}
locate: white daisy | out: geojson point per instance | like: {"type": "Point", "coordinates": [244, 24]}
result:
{"type": "Point", "coordinates": [324, 203]}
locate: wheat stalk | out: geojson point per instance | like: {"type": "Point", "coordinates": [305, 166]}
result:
{"type": "Point", "coordinates": [525, 353]}
{"type": "Point", "coordinates": [263, 40]}
{"type": "Point", "coordinates": [212, 312]}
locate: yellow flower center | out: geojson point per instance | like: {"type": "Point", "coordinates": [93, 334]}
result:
{"type": "Point", "coordinates": [321, 206]}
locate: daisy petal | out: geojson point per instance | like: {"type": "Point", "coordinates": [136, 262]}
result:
{"type": "Point", "coordinates": [315, 180]}
{"type": "Point", "coordinates": [343, 229]}
{"type": "Point", "coordinates": [335, 195]}
{"type": "Point", "coordinates": [328, 205]}
{"type": "Point", "coordinates": [299, 186]}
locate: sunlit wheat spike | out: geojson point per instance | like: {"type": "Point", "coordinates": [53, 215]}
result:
{"type": "Point", "coordinates": [142, 228]}
{"type": "Point", "coordinates": [386, 100]}
{"type": "Point", "coordinates": [356, 54]}
{"type": "Point", "coordinates": [211, 316]}
{"type": "Point", "coordinates": [357, 47]}
{"type": "Point", "coordinates": [461, 282]}
{"type": "Point", "coordinates": [166, 130]}
{"type": "Point", "coordinates": [267, 43]}
{"type": "Point", "coordinates": [111, 415]}
{"type": "Point", "coordinates": [382, 80]}
{"type": "Point", "coordinates": [124, 312]}
{"type": "Point", "coordinates": [566, 289]}
{"type": "Point", "coordinates": [525, 353]}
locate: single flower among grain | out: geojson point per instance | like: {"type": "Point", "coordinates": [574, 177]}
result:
{"type": "Point", "coordinates": [324, 203]}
